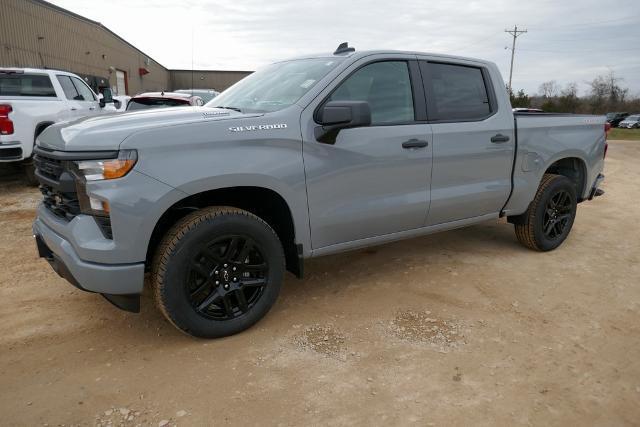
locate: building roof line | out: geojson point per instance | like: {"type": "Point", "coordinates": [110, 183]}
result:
{"type": "Point", "coordinates": [96, 23]}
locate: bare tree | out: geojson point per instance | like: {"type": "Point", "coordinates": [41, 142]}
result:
{"type": "Point", "coordinates": [549, 89]}
{"type": "Point", "coordinates": [568, 100]}
{"type": "Point", "coordinates": [606, 92]}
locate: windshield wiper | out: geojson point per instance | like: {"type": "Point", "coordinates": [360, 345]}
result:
{"type": "Point", "coordinates": [230, 108]}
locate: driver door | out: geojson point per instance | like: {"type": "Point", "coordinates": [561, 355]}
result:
{"type": "Point", "coordinates": [374, 180]}
{"type": "Point", "coordinates": [80, 98]}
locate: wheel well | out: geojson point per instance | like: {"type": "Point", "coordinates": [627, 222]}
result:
{"type": "Point", "coordinates": [262, 202]}
{"type": "Point", "coordinates": [39, 128]}
{"type": "Point", "coordinates": [574, 169]}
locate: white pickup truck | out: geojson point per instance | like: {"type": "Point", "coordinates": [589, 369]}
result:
{"type": "Point", "coordinates": [33, 99]}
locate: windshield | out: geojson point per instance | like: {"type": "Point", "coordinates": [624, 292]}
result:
{"type": "Point", "coordinates": [632, 118]}
{"type": "Point", "coordinates": [276, 86]}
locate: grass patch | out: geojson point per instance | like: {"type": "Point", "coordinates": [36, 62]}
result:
{"type": "Point", "coordinates": [628, 134]}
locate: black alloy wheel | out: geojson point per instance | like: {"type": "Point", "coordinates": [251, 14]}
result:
{"type": "Point", "coordinates": [227, 277]}
{"type": "Point", "coordinates": [557, 215]}
{"type": "Point", "coordinates": [217, 271]}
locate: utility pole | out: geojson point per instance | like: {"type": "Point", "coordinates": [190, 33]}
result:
{"type": "Point", "coordinates": [515, 33]}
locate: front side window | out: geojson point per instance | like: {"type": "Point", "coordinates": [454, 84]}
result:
{"type": "Point", "coordinates": [386, 86]}
{"type": "Point", "coordinates": [68, 88]}
{"type": "Point", "coordinates": [275, 87]}
{"type": "Point", "coordinates": [457, 93]}
{"type": "Point", "coordinates": [83, 90]}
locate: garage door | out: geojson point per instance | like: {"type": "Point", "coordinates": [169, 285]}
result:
{"type": "Point", "coordinates": [121, 82]}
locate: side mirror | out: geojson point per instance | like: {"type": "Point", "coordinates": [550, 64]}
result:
{"type": "Point", "coordinates": [337, 115]}
{"type": "Point", "coordinates": [107, 97]}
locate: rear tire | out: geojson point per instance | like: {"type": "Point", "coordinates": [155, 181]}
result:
{"type": "Point", "coordinates": [548, 221]}
{"type": "Point", "coordinates": [217, 272]}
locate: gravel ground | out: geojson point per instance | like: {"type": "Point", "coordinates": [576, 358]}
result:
{"type": "Point", "coordinates": [464, 327]}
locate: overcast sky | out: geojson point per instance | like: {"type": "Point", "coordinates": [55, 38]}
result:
{"type": "Point", "coordinates": [567, 41]}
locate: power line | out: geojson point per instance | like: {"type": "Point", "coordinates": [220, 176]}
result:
{"type": "Point", "coordinates": [586, 24]}
{"type": "Point", "coordinates": [583, 51]}
{"type": "Point", "coordinates": [514, 33]}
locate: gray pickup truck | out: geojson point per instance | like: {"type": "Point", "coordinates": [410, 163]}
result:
{"type": "Point", "coordinates": [306, 157]}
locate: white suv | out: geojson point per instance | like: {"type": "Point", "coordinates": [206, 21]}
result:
{"type": "Point", "coordinates": [32, 99]}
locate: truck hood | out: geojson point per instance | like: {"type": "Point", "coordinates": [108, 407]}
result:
{"type": "Point", "coordinates": [106, 132]}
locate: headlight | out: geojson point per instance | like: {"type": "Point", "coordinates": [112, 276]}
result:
{"type": "Point", "coordinates": [95, 170]}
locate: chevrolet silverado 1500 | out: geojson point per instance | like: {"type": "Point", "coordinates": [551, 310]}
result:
{"type": "Point", "coordinates": [306, 157]}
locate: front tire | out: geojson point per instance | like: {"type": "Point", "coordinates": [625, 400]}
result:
{"type": "Point", "coordinates": [548, 221]}
{"type": "Point", "coordinates": [218, 271]}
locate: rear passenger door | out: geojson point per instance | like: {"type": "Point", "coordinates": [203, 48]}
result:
{"type": "Point", "coordinates": [80, 98]}
{"type": "Point", "coordinates": [473, 141]}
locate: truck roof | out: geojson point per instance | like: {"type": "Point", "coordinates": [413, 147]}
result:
{"type": "Point", "coordinates": [17, 70]}
{"type": "Point", "coordinates": [364, 53]}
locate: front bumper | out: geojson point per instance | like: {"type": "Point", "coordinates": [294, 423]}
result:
{"type": "Point", "coordinates": [121, 284]}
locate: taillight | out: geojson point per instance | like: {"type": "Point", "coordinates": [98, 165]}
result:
{"type": "Point", "coordinates": [6, 125]}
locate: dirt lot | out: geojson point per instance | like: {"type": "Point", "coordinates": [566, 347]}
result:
{"type": "Point", "coordinates": [465, 327]}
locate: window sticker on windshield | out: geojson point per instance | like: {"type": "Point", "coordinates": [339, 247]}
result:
{"type": "Point", "coordinates": [307, 83]}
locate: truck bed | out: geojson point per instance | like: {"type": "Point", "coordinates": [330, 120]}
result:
{"type": "Point", "coordinates": [543, 138]}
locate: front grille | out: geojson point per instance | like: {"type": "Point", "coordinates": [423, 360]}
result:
{"type": "Point", "coordinates": [49, 167]}
{"type": "Point", "coordinates": [60, 193]}
{"type": "Point", "coordinates": [58, 187]}
{"type": "Point", "coordinates": [63, 205]}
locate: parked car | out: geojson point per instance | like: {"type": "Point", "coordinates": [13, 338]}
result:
{"type": "Point", "coordinates": [149, 100]}
{"type": "Point", "coordinates": [614, 119]}
{"type": "Point", "coordinates": [304, 158]}
{"type": "Point", "coordinates": [630, 122]}
{"type": "Point", "coordinates": [33, 99]}
{"type": "Point", "coordinates": [206, 94]}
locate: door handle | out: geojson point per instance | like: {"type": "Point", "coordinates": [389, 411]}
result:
{"type": "Point", "coordinates": [499, 138]}
{"type": "Point", "coordinates": [73, 109]}
{"type": "Point", "coordinates": [92, 108]}
{"type": "Point", "coordinates": [414, 143]}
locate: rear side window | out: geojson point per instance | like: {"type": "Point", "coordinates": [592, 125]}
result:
{"type": "Point", "coordinates": [386, 86]}
{"type": "Point", "coordinates": [26, 85]}
{"type": "Point", "coordinates": [146, 103]}
{"type": "Point", "coordinates": [456, 92]}
{"type": "Point", "coordinates": [68, 88]}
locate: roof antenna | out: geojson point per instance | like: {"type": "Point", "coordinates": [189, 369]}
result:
{"type": "Point", "coordinates": [344, 48]}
